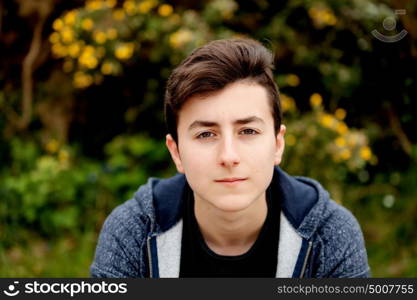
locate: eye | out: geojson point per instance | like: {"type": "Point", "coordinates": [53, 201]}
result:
{"type": "Point", "coordinates": [205, 135]}
{"type": "Point", "coordinates": [249, 131]}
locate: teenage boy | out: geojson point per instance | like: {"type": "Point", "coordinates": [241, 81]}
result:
{"type": "Point", "coordinates": [231, 212]}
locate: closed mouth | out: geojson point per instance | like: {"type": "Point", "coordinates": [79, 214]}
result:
{"type": "Point", "coordinates": [231, 179]}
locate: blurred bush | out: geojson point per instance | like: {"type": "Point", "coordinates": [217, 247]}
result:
{"type": "Point", "coordinates": [100, 38]}
{"type": "Point", "coordinates": [46, 191]}
{"type": "Point", "coordinates": [320, 145]}
{"type": "Point", "coordinates": [55, 192]}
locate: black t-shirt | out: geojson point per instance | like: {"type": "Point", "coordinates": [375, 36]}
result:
{"type": "Point", "coordinates": [198, 260]}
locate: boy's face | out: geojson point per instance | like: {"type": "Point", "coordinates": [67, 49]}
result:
{"type": "Point", "coordinates": [227, 146]}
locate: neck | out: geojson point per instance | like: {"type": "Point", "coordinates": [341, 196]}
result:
{"type": "Point", "coordinates": [230, 233]}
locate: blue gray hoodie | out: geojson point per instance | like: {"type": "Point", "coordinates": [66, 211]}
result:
{"type": "Point", "coordinates": [318, 237]}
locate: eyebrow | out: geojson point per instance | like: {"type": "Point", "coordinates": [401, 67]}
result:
{"type": "Point", "coordinates": [203, 123]}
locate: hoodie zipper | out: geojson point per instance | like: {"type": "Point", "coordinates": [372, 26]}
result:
{"type": "Point", "coordinates": [148, 242]}
{"type": "Point", "coordinates": [310, 244]}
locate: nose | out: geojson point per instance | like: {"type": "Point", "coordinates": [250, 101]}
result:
{"type": "Point", "coordinates": [228, 153]}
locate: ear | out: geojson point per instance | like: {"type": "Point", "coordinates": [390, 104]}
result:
{"type": "Point", "coordinates": [175, 154]}
{"type": "Point", "coordinates": [280, 144]}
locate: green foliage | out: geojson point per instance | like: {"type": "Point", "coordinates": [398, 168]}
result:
{"type": "Point", "coordinates": [56, 192]}
{"type": "Point", "coordinates": [130, 161]}
{"type": "Point", "coordinates": [45, 191]}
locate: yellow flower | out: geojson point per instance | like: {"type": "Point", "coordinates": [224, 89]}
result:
{"type": "Point", "coordinates": [124, 51]}
{"type": "Point", "coordinates": [180, 38]}
{"type": "Point", "coordinates": [87, 24]}
{"type": "Point", "coordinates": [111, 33]}
{"type": "Point", "coordinates": [345, 154]}
{"type": "Point", "coordinates": [366, 153]}
{"type": "Point", "coordinates": [340, 141]}
{"type": "Point", "coordinates": [342, 128]}
{"type": "Point", "coordinates": [290, 140]}
{"type": "Point", "coordinates": [82, 80]}
{"type": "Point", "coordinates": [130, 7]}
{"type": "Point", "coordinates": [326, 120]}
{"type": "Point", "coordinates": [118, 14]}
{"type": "Point", "coordinates": [165, 10]}
{"type": "Point", "coordinates": [292, 80]}
{"type": "Point", "coordinates": [52, 146]}
{"type": "Point", "coordinates": [67, 35]}
{"type": "Point", "coordinates": [287, 103]}
{"type": "Point", "coordinates": [111, 3]}
{"type": "Point", "coordinates": [93, 5]}
{"type": "Point", "coordinates": [70, 17]}
{"type": "Point", "coordinates": [87, 58]}
{"type": "Point", "coordinates": [89, 49]}
{"type": "Point", "coordinates": [68, 66]}
{"type": "Point", "coordinates": [57, 25]}
{"type": "Point", "coordinates": [99, 37]}
{"type": "Point", "coordinates": [106, 68]}
{"type": "Point", "coordinates": [340, 113]}
{"type": "Point", "coordinates": [74, 49]}
{"type": "Point", "coordinates": [322, 16]}
{"type": "Point", "coordinates": [63, 156]}
{"type": "Point", "coordinates": [353, 139]}
{"type": "Point", "coordinates": [54, 38]}
{"type": "Point", "coordinates": [58, 50]}
{"type": "Point", "coordinates": [329, 18]}
{"type": "Point", "coordinates": [315, 100]}
{"type": "Point", "coordinates": [145, 6]}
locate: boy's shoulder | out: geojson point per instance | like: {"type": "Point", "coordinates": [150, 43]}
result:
{"type": "Point", "coordinates": [336, 237]}
{"type": "Point", "coordinates": [122, 239]}
{"type": "Point", "coordinates": [338, 242]}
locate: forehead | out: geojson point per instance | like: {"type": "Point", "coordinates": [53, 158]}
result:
{"type": "Point", "coordinates": [238, 100]}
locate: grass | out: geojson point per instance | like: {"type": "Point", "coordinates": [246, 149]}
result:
{"type": "Point", "coordinates": [68, 256]}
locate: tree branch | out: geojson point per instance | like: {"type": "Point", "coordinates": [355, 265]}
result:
{"type": "Point", "coordinates": [27, 72]}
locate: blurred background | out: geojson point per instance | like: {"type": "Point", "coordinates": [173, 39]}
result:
{"type": "Point", "coordinates": [81, 123]}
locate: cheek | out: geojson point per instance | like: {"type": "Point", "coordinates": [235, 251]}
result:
{"type": "Point", "coordinates": [262, 161]}
{"type": "Point", "coordinates": [198, 169]}
{"type": "Point", "coordinates": [194, 160]}
{"type": "Point", "coordinates": [261, 154]}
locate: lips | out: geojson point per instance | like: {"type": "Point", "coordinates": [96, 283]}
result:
{"type": "Point", "coordinates": [230, 180]}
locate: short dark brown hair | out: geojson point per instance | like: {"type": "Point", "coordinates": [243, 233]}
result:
{"type": "Point", "coordinates": [212, 67]}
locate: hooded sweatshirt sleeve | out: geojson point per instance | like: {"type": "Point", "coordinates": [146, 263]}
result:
{"type": "Point", "coordinates": [340, 245]}
{"type": "Point", "coordinates": [119, 252]}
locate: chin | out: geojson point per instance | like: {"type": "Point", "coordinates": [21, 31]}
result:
{"type": "Point", "coordinates": [232, 204]}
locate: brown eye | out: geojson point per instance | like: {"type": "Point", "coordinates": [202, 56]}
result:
{"type": "Point", "coordinates": [205, 135]}
{"type": "Point", "coordinates": [249, 131]}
